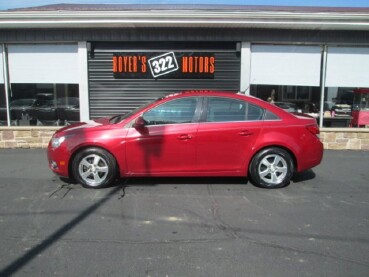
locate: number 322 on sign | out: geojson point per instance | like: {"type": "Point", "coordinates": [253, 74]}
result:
{"type": "Point", "coordinates": [163, 64]}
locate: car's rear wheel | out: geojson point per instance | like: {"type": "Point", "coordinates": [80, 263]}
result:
{"type": "Point", "coordinates": [272, 168]}
{"type": "Point", "coordinates": [94, 168]}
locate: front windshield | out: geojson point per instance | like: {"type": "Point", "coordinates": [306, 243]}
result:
{"type": "Point", "coordinates": [118, 118]}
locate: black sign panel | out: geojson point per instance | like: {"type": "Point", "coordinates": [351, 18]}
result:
{"type": "Point", "coordinates": [170, 65]}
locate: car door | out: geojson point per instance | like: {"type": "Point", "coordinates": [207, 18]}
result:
{"type": "Point", "coordinates": [227, 134]}
{"type": "Point", "coordinates": [167, 143]}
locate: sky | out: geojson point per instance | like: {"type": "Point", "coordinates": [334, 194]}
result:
{"type": "Point", "coordinates": [13, 4]}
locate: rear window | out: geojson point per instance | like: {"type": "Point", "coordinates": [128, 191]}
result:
{"type": "Point", "coordinates": [271, 116]}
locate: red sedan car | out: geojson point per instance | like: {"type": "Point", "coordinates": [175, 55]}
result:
{"type": "Point", "coordinates": [190, 134]}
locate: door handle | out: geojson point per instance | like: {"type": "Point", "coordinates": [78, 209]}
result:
{"type": "Point", "coordinates": [245, 133]}
{"type": "Point", "coordinates": [184, 137]}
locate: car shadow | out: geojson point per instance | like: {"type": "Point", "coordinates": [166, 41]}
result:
{"type": "Point", "coordinates": [150, 181]}
{"type": "Point", "coordinates": [303, 176]}
{"type": "Point", "coordinates": [155, 181]}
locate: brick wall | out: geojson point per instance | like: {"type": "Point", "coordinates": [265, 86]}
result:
{"type": "Point", "coordinates": [345, 138]}
{"type": "Point", "coordinates": [38, 137]}
{"type": "Point", "coordinates": [26, 137]}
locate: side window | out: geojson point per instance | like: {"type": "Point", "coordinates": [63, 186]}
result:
{"type": "Point", "coordinates": [227, 109]}
{"type": "Point", "coordinates": [173, 112]}
{"type": "Point", "coordinates": [254, 112]}
{"type": "Point", "coordinates": [270, 116]}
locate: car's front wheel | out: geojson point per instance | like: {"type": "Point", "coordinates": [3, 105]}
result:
{"type": "Point", "coordinates": [94, 168]}
{"type": "Point", "coordinates": [272, 168]}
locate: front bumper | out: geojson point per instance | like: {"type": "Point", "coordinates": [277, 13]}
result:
{"type": "Point", "coordinates": [58, 160]}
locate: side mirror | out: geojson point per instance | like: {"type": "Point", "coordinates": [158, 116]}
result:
{"type": "Point", "coordinates": [139, 123]}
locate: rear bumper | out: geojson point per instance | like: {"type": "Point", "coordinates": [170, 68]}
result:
{"type": "Point", "coordinates": [311, 155]}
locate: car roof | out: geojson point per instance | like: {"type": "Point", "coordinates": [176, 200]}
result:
{"type": "Point", "coordinates": [219, 93]}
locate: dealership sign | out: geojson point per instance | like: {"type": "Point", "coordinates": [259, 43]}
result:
{"type": "Point", "coordinates": [195, 65]}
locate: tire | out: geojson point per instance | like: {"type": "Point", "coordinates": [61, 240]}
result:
{"type": "Point", "coordinates": [272, 168]}
{"type": "Point", "coordinates": [94, 168]}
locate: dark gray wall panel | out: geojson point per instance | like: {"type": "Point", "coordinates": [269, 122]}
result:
{"type": "Point", "coordinates": [185, 34]}
{"type": "Point", "coordinates": [109, 96]}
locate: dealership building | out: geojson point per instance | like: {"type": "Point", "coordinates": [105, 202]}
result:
{"type": "Point", "coordinates": [65, 63]}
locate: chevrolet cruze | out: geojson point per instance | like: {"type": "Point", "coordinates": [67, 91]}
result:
{"type": "Point", "coordinates": [190, 134]}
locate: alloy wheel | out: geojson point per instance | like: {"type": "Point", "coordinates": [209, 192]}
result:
{"type": "Point", "coordinates": [273, 169]}
{"type": "Point", "coordinates": [93, 169]}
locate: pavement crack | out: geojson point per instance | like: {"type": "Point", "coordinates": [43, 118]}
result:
{"type": "Point", "coordinates": [123, 189]}
{"type": "Point", "coordinates": [65, 194]}
{"type": "Point", "coordinates": [68, 188]}
{"type": "Point", "coordinates": [219, 223]}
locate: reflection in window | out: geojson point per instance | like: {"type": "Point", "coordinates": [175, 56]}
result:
{"type": "Point", "coordinates": [361, 100]}
{"type": "Point", "coordinates": [44, 104]}
{"type": "Point", "coordinates": [3, 114]}
{"type": "Point", "coordinates": [296, 93]}
{"type": "Point", "coordinates": [334, 96]}
{"type": "Point", "coordinates": [173, 112]}
{"type": "Point", "coordinates": [227, 109]}
{"type": "Point", "coordinates": [290, 98]}
{"type": "Point", "coordinates": [338, 102]}
{"type": "Point", "coordinates": [360, 110]}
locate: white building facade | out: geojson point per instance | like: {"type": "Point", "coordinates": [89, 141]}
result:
{"type": "Point", "coordinates": [66, 63]}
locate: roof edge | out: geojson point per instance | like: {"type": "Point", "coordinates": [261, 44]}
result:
{"type": "Point", "coordinates": [130, 7]}
{"type": "Point", "coordinates": [213, 18]}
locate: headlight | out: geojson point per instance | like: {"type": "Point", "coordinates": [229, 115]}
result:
{"type": "Point", "coordinates": [56, 142]}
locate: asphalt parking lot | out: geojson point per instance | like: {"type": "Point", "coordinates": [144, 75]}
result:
{"type": "Point", "coordinates": [317, 226]}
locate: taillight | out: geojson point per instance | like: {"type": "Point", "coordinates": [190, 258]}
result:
{"type": "Point", "coordinates": [314, 129]}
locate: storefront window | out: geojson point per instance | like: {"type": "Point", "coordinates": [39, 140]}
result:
{"type": "Point", "coordinates": [346, 107]}
{"type": "Point", "coordinates": [360, 108]}
{"type": "Point", "coordinates": [43, 84]}
{"type": "Point", "coordinates": [346, 86]}
{"type": "Point", "coordinates": [304, 99]}
{"type": "Point", "coordinates": [3, 114]}
{"type": "Point", "coordinates": [287, 76]}
{"type": "Point", "coordinates": [44, 104]}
